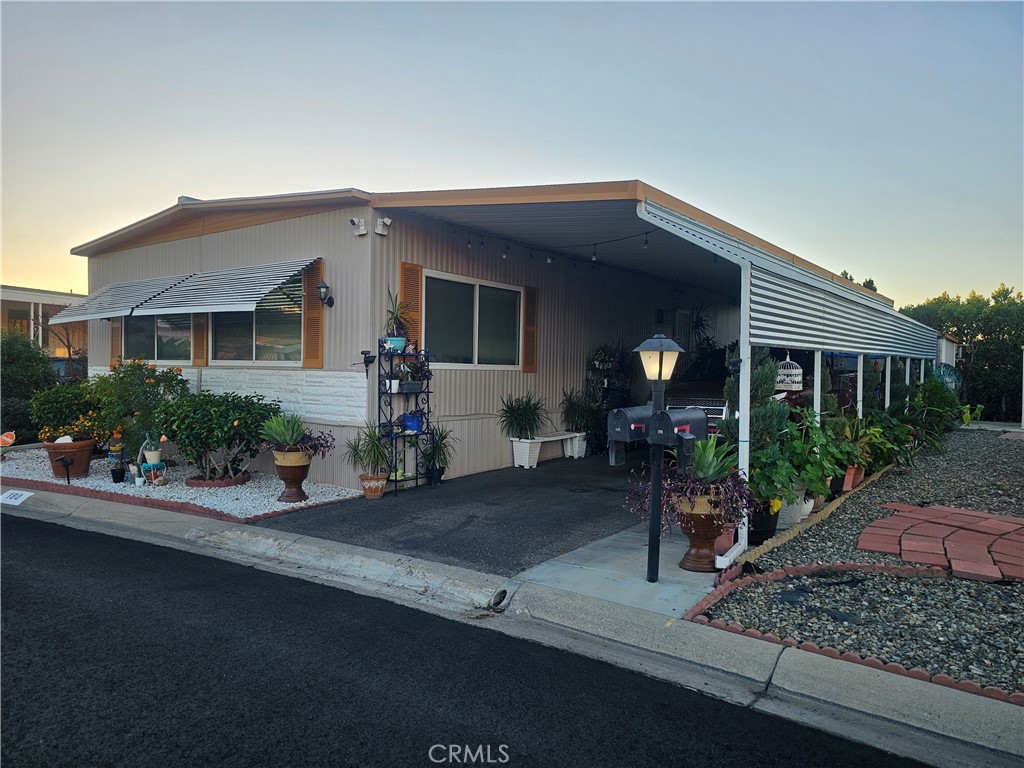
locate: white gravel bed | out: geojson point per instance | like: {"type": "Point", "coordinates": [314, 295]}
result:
{"type": "Point", "coordinates": [255, 498]}
{"type": "Point", "coordinates": [969, 630]}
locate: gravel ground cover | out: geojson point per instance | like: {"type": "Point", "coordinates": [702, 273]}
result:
{"type": "Point", "coordinates": [969, 630]}
{"type": "Point", "coordinates": [255, 498]}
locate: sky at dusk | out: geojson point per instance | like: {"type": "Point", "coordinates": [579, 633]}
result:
{"type": "Point", "coordinates": [885, 139]}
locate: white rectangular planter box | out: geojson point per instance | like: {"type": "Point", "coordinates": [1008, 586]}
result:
{"type": "Point", "coordinates": [576, 446]}
{"type": "Point", "coordinates": [525, 452]}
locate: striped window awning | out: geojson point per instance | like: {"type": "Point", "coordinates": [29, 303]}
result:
{"type": "Point", "coordinates": [225, 290]}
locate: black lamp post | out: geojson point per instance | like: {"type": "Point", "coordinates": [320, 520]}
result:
{"type": "Point", "coordinates": [659, 356]}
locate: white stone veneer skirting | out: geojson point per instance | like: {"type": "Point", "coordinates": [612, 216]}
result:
{"type": "Point", "coordinates": [316, 395]}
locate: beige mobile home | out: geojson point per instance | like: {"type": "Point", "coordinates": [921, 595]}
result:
{"type": "Point", "coordinates": [226, 290]}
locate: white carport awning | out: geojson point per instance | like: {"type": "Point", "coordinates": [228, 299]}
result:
{"type": "Point", "coordinates": [226, 290]}
{"type": "Point", "coordinates": [116, 299]}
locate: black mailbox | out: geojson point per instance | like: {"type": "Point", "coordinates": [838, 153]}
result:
{"type": "Point", "coordinates": [666, 427]}
{"type": "Point", "coordinates": [624, 426]}
{"type": "Point", "coordinates": [627, 424]}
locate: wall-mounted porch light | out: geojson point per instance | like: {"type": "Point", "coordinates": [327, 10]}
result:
{"type": "Point", "coordinates": [323, 292]}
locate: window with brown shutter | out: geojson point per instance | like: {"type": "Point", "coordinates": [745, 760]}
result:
{"type": "Point", "coordinates": [200, 339]}
{"type": "Point", "coordinates": [312, 317]}
{"type": "Point", "coordinates": [115, 340]}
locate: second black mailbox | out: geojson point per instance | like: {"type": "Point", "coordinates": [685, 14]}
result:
{"type": "Point", "coordinates": [665, 427]}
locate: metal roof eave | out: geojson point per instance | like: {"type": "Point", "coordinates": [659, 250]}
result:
{"type": "Point", "coordinates": [186, 207]}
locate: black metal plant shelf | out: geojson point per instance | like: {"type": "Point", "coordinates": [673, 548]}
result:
{"type": "Point", "coordinates": [395, 400]}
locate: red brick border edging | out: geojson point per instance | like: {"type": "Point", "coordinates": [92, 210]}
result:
{"type": "Point", "coordinates": [730, 583]}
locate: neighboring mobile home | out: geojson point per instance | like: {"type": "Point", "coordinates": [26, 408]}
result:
{"type": "Point", "coordinates": [511, 289]}
{"type": "Point", "coordinates": [29, 310]}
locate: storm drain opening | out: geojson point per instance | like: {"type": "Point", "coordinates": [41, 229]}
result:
{"type": "Point", "coordinates": [497, 599]}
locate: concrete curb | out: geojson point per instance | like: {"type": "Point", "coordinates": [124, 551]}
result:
{"type": "Point", "coordinates": [912, 718]}
{"type": "Point", "coordinates": [375, 572]}
{"type": "Point", "coordinates": [407, 580]}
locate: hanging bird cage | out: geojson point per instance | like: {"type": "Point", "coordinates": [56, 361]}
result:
{"type": "Point", "coordinates": [791, 376]}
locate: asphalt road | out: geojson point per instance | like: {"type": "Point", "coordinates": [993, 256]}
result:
{"type": "Point", "coordinates": [117, 653]}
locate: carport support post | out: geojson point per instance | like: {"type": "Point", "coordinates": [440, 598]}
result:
{"type": "Point", "coordinates": [817, 385]}
{"type": "Point", "coordinates": [888, 381]}
{"type": "Point", "coordinates": [657, 457]}
{"type": "Point", "coordinates": [860, 386]}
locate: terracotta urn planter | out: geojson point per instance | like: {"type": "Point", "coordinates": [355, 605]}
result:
{"type": "Point", "coordinates": [77, 456]}
{"type": "Point", "coordinates": [701, 527]}
{"type": "Point", "coordinates": [292, 465]}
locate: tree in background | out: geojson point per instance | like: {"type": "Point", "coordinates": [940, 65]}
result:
{"type": "Point", "coordinates": [25, 369]}
{"type": "Point", "coordinates": [992, 333]}
{"type": "Point", "coordinates": [869, 283]}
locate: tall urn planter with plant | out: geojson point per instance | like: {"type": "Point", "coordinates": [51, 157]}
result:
{"type": "Point", "coordinates": [521, 418]}
{"type": "Point", "coordinates": [294, 447]}
{"type": "Point", "coordinates": [370, 453]}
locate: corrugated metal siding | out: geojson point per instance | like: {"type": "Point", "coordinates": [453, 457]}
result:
{"type": "Point", "coordinates": [788, 313]}
{"type": "Point", "coordinates": [579, 309]}
{"type": "Point", "coordinates": [796, 306]}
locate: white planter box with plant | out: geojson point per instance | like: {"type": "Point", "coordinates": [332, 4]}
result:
{"type": "Point", "coordinates": [521, 418]}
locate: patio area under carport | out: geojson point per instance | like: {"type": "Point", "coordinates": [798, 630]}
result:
{"type": "Point", "coordinates": [762, 295]}
{"type": "Point", "coordinates": [561, 524]}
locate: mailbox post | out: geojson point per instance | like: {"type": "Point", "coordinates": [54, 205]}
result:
{"type": "Point", "coordinates": [658, 355]}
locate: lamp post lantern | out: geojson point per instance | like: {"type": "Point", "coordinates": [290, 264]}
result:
{"type": "Point", "coordinates": [658, 355]}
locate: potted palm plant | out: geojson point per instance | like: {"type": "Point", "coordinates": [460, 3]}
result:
{"type": "Point", "coordinates": [579, 415]}
{"type": "Point", "coordinates": [396, 323]}
{"type": "Point", "coordinates": [294, 447]}
{"type": "Point", "coordinates": [521, 419]}
{"type": "Point", "coordinates": [439, 454]}
{"type": "Point", "coordinates": [369, 452]}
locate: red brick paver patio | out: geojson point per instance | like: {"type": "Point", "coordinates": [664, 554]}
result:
{"type": "Point", "coordinates": [974, 545]}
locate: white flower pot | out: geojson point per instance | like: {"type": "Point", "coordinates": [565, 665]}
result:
{"type": "Point", "coordinates": [791, 514]}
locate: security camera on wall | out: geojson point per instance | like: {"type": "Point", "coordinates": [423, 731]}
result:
{"type": "Point", "coordinates": [358, 225]}
{"type": "Point", "coordinates": [382, 226]}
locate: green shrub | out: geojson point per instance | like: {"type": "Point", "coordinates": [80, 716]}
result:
{"type": "Point", "coordinates": [217, 434]}
{"type": "Point", "coordinates": [16, 417]}
{"type": "Point", "coordinates": [127, 399]}
{"type": "Point", "coordinates": [54, 409]}
{"type": "Point", "coordinates": [25, 367]}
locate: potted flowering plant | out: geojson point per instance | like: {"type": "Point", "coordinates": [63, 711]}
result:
{"type": "Point", "coordinates": [294, 445]}
{"type": "Point", "coordinates": [710, 496]}
{"type": "Point", "coordinates": [702, 502]}
{"type": "Point", "coordinates": [69, 427]}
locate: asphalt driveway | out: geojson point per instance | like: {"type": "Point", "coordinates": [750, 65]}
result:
{"type": "Point", "coordinates": [499, 522]}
